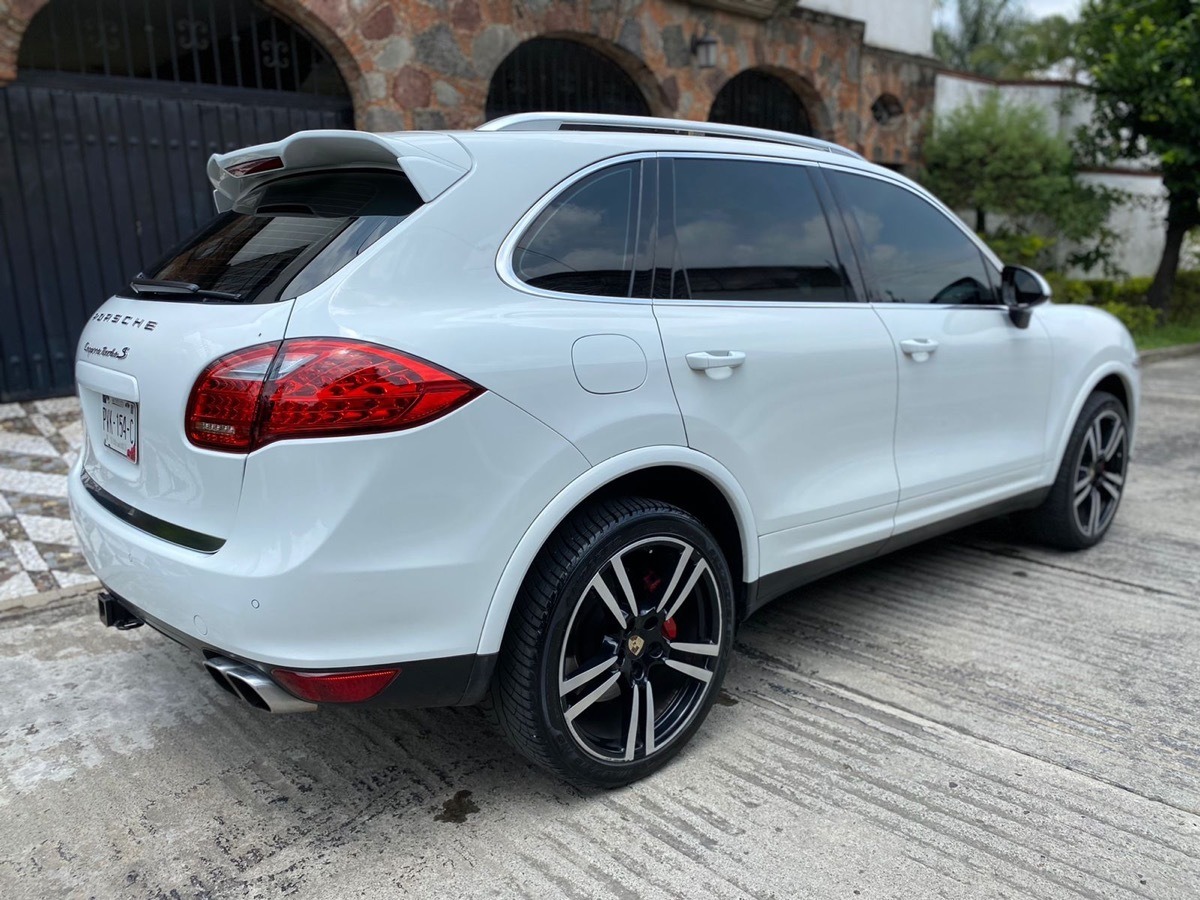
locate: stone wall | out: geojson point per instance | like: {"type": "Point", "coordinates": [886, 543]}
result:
{"type": "Point", "coordinates": [427, 63]}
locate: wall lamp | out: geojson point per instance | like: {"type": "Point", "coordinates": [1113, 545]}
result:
{"type": "Point", "coordinates": [704, 48]}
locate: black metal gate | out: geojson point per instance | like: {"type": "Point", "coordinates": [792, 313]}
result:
{"type": "Point", "coordinates": [556, 75]}
{"type": "Point", "coordinates": [760, 100]}
{"type": "Point", "coordinates": [100, 174]}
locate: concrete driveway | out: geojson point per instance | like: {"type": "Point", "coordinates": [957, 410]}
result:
{"type": "Point", "coordinates": [972, 718]}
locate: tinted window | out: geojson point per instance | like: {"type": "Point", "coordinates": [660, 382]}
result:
{"type": "Point", "coordinates": [584, 241]}
{"type": "Point", "coordinates": [295, 232]}
{"type": "Point", "coordinates": [752, 231]}
{"type": "Point", "coordinates": [915, 253]}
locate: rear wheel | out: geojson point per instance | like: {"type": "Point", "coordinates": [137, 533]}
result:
{"type": "Point", "coordinates": [618, 643]}
{"type": "Point", "coordinates": [1083, 501]}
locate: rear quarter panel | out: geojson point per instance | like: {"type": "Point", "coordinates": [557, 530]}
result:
{"type": "Point", "coordinates": [431, 288]}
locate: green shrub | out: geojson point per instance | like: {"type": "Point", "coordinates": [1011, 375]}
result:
{"type": "Point", "coordinates": [1127, 299]}
{"type": "Point", "coordinates": [1072, 290]}
{"type": "Point", "coordinates": [1185, 301]}
{"type": "Point", "coordinates": [1137, 318]}
{"type": "Point", "coordinates": [1132, 292]}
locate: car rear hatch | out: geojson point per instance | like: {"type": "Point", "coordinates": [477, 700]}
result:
{"type": "Point", "coordinates": [291, 215]}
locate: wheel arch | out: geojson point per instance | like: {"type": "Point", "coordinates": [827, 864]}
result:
{"type": "Point", "coordinates": [679, 475]}
{"type": "Point", "coordinates": [1113, 377]}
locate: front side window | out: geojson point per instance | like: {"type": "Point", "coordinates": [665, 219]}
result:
{"type": "Point", "coordinates": [752, 231]}
{"type": "Point", "coordinates": [915, 253]}
{"type": "Point", "coordinates": [585, 241]}
{"type": "Point", "coordinates": [288, 236]}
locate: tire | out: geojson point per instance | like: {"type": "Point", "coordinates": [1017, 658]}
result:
{"type": "Point", "coordinates": [1083, 500]}
{"type": "Point", "coordinates": [577, 668]}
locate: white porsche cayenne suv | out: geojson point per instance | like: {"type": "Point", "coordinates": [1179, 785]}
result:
{"type": "Point", "coordinates": [535, 415]}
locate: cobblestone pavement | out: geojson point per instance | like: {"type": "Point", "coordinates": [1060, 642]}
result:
{"type": "Point", "coordinates": [39, 442]}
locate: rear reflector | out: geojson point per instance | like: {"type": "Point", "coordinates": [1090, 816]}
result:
{"type": "Point", "coordinates": [316, 387]}
{"type": "Point", "coordinates": [254, 166]}
{"type": "Point", "coordinates": [335, 687]}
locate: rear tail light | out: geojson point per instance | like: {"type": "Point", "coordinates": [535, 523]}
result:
{"type": "Point", "coordinates": [335, 687]}
{"type": "Point", "coordinates": [316, 387]}
{"type": "Point", "coordinates": [254, 166]}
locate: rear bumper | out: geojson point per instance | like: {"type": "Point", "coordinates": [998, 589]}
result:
{"type": "Point", "coordinates": [346, 553]}
{"type": "Point", "coordinates": [445, 681]}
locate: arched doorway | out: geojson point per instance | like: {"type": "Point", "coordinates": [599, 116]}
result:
{"type": "Point", "coordinates": [761, 100]}
{"type": "Point", "coordinates": [561, 75]}
{"type": "Point", "coordinates": [104, 138]}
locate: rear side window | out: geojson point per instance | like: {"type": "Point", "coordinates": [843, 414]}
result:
{"type": "Point", "coordinates": [751, 232]}
{"type": "Point", "coordinates": [586, 240]}
{"type": "Point", "coordinates": [915, 253]}
{"type": "Point", "coordinates": [288, 236]}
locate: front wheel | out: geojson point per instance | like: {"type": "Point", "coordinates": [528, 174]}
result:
{"type": "Point", "coordinates": [1083, 501]}
{"type": "Point", "coordinates": [618, 643]}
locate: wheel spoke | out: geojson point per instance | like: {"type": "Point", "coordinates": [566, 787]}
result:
{"type": "Point", "coordinates": [699, 649]}
{"type": "Point", "coordinates": [1083, 479]}
{"type": "Point", "coordinates": [1082, 493]}
{"type": "Point", "coordinates": [1114, 478]}
{"type": "Point", "coordinates": [623, 579]}
{"type": "Point", "coordinates": [631, 738]}
{"type": "Point", "coordinates": [684, 558]}
{"type": "Point", "coordinates": [583, 676]}
{"type": "Point", "coordinates": [1095, 439]}
{"type": "Point", "coordinates": [597, 584]}
{"type": "Point", "coordinates": [694, 671]}
{"type": "Point", "coordinates": [1113, 491]}
{"type": "Point", "coordinates": [701, 568]}
{"type": "Point", "coordinates": [1094, 517]}
{"type": "Point", "coordinates": [650, 737]}
{"type": "Point", "coordinates": [591, 698]}
{"type": "Point", "coordinates": [1114, 442]}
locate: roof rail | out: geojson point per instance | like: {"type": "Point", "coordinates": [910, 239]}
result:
{"type": "Point", "coordinates": [559, 121]}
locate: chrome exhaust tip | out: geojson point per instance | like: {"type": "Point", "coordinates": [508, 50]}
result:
{"type": "Point", "coordinates": [254, 687]}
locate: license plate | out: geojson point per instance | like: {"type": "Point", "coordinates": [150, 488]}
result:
{"type": "Point", "coordinates": [120, 420]}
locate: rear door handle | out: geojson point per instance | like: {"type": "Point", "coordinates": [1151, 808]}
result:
{"type": "Point", "coordinates": [716, 364]}
{"type": "Point", "coordinates": [920, 349]}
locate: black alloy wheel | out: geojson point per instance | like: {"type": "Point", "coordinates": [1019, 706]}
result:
{"type": "Point", "coordinates": [618, 644]}
{"type": "Point", "coordinates": [1091, 480]}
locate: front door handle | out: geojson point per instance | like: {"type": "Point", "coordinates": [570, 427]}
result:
{"type": "Point", "coordinates": [716, 364]}
{"type": "Point", "coordinates": [920, 349]}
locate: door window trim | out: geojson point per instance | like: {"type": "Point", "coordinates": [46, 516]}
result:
{"type": "Point", "coordinates": [508, 247]}
{"type": "Point", "coordinates": [991, 263]}
{"type": "Point", "coordinates": [855, 287]}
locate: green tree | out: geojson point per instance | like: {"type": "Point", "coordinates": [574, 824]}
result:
{"type": "Point", "coordinates": [996, 38]}
{"type": "Point", "coordinates": [1143, 59]}
{"type": "Point", "coordinates": [979, 36]}
{"type": "Point", "coordinates": [1001, 159]}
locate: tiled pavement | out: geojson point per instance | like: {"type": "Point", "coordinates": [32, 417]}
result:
{"type": "Point", "coordinates": [39, 442]}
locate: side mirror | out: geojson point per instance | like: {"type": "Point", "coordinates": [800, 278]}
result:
{"type": "Point", "coordinates": [1021, 289]}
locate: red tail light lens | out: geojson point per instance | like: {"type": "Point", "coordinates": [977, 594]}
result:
{"type": "Point", "coordinates": [223, 408]}
{"type": "Point", "coordinates": [316, 387]}
{"type": "Point", "coordinates": [254, 166]}
{"type": "Point", "coordinates": [335, 687]}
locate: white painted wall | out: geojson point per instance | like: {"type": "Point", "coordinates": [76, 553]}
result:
{"type": "Point", "coordinates": [905, 25]}
{"type": "Point", "coordinates": [1141, 223]}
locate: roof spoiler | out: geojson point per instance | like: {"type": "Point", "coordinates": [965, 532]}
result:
{"type": "Point", "coordinates": [432, 161]}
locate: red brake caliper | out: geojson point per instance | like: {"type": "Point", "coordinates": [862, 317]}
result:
{"type": "Point", "coordinates": [669, 630]}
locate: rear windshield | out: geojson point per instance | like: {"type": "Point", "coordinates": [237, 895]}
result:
{"type": "Point", "coordinates": [286, 237]}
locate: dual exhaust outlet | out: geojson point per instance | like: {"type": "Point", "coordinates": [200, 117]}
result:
{"type": "Point", "coordinates": [254, 687]}
{"type": "Point", "coordinates": [237, 678]}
